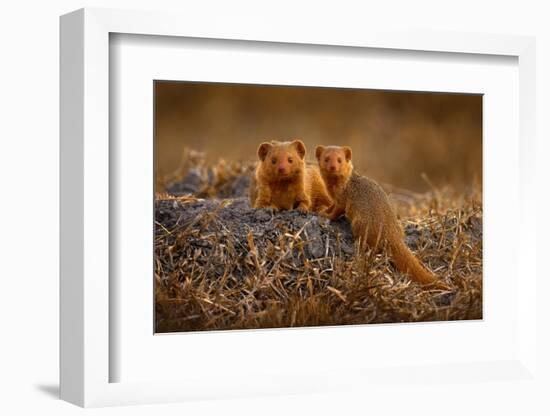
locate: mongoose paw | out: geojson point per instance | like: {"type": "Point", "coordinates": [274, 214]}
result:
{"type": "Point", "coordinates": [302, 208]}
{"type": "Point", "coordinates": [325, 215]}
{"type": "Point", "coordinates": [325, 211]}
{"type": "Point", "coordinates": [333, 216]}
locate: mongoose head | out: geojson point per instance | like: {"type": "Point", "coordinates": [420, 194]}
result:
{"type": "Point", "coordinates": [334, 160]}
{"type": "Point", "coordinates": [282, 160]}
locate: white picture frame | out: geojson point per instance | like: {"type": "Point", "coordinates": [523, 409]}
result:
{"type": "Point", "coordinates": [85, 353]}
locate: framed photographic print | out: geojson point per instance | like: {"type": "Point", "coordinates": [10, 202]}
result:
{"type": "Point", "coordinates": [278, 211]}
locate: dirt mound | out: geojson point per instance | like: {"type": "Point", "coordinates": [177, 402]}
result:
{"type": "Point", "coordinates": [209, 224]}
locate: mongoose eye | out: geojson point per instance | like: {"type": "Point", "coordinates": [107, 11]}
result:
{"type": "Point", "coordinates": [290, 160]}
{"type": "Point", "coordinates": [274, 160]}
{"type": "Point", "coordinates": [339, 160]}
{"type": "Point", "coordinates": [326, 159]}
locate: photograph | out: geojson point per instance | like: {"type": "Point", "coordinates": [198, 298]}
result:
{"type": "Point", "coordinates": [282, 206]}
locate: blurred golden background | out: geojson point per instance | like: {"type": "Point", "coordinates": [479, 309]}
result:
{"type": "Point", "coordinates": [396, 137]}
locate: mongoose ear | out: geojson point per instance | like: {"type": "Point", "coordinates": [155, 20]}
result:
{"type": "Point", "coordinates": [347, 152]}
{"type": "Point", "coordinates": [319, 151]}
{"type": "Point", "coordinates": [263, 150]}
{"type": "Point", "coordinates": [300, 148]}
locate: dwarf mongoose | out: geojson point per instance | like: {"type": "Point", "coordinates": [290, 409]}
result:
{"type": "Point", "coordinates": [367, 207]}
{"type": "Point", "coordinates": [283, 180]}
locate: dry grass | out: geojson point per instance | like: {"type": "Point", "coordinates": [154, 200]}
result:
{"type": "Point", "coordinates": [222, 265]}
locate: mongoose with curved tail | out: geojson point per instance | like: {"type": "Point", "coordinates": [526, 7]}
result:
{"type": "Point", "coordinates": [367, 207]}
{"type": "Point", "coordinates": [283, 180]}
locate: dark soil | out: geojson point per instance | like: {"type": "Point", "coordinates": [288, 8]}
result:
{"type": "Point", "coordinates": [234, 221]}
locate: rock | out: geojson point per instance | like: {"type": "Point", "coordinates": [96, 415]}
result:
{"type": "Point", "coordinates": [235, 219]}
{"type": "Point", "coordinates": [191, 184]}
{"type": "Point", "coordinates": [238, 187]}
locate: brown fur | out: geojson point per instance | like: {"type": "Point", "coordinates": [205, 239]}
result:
{"type": "Point", "coordinates": [283, 180]}
{"type": "Point", "coordinates": [367, 207]}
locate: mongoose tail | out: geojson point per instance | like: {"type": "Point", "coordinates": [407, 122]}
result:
{"type": "Point", "coordinates": [406, 262]}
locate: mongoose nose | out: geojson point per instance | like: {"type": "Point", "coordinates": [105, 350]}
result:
{"type": "Point", "coordinates": [281, 169]}
{"type": "Point", "coordinates": [333, 168]}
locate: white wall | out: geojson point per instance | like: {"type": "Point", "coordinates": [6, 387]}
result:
{"type": "Point", "coordinates": [29, 176]}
